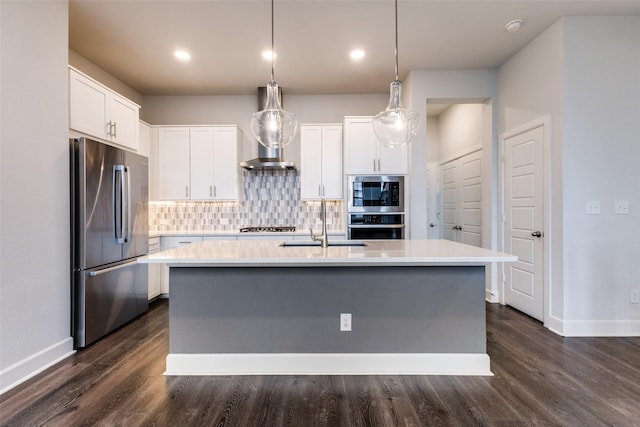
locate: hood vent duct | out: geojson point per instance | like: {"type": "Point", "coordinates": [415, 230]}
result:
{"type": "Point", "coordinates": [268, 158]}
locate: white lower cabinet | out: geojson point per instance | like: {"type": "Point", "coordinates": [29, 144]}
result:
{"type": "Point", "coordinates": [170, 242]}
{"type": "Point", "coordinates": [155, 270]}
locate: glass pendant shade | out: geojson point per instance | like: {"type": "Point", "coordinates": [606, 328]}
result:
{"type": "Point", "coordinates": [273, 127]}
{"type": "Point", "coordinates": [395, 126]}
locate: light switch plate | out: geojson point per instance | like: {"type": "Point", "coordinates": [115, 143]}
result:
{"type": "Point", "coordinates": [593, 207]}
{"type": "Point", "coordinates": [622, 207]}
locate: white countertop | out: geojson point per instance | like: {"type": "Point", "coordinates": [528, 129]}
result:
{"type": "Point", "coordinates": [265, 253]}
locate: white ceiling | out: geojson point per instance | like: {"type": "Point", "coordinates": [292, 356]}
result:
{"type": "Point", "coordinates": [134, 40]}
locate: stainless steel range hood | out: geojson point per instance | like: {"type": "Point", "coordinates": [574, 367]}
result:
{"type": "Point", "coordinates": [268, 158]}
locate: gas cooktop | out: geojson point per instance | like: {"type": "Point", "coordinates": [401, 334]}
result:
{"type": "Point", "coordinates": [268, 229]}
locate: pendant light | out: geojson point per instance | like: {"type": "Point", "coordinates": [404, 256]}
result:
{"type": "Point", "coordinates": [395, 126]}
{"type": "Point", "coordinates": [273, 127]}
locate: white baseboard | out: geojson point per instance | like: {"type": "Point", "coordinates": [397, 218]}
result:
{"type": "Point", "coordinates": [31, 366]}
{"type": "Point", "coordinates": [490, 297]}
{"type": "Point", "coordinates": [329, 364]}
{"type": "Point", "coordinates": [597, 328]}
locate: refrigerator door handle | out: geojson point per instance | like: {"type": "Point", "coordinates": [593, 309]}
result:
{"type": "Point", "coordinates": [118, 204]}
{"type": "Point", "coordinates": [94, 273]}
{"type": "Point", "coordinates": [128, 198]}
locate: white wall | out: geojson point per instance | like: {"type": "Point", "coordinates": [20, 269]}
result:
{"type": "Point", "coordinates": [600, 159]}
{"type": "Point", "coordinates": [460, 131]}
{"type": "Point", "coordinates": [583, 73]}
{"type": "Point", "coordinates": [34, 183]}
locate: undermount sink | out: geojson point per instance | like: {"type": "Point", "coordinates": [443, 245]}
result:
{"type": "Point", "coordinates": [298, 243]}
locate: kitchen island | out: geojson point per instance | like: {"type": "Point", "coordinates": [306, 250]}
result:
{"type": "Point", "coordinates": [243, 308]}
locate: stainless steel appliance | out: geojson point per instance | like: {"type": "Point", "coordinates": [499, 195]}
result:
{"type": "Point", "coordinates": [109, 231]}
{"type": "Point", "coordinates": [268, 158]}
{"type": "Point", "coordinates": [376, 194]}
{"type": "Point", "coordinates": [375, 226]}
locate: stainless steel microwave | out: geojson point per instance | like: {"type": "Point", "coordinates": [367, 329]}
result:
{"type": "Point", "coordinates": [375, 193]}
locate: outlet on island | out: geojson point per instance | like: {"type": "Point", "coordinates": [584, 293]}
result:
{"type": "Point", "coordinates": [345, 322]}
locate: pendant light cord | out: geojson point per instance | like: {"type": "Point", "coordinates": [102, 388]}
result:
{"type": "Point", "coordinates": [396, 39]}
{"type": "Point", "coordinates": [272, 45]}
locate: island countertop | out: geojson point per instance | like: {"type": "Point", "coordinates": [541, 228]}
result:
{"type": "Point", "coordinates": [376, 252]}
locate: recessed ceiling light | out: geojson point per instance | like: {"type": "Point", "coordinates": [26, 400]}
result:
{"type": "Point", "coordinates": [182, 55]}
{"type": "Point", "coordinates": [267, 55]}
{"type": "Point", "coordinates": [513, 26]}
{"type": "Point", "coordinates": [357, 54]}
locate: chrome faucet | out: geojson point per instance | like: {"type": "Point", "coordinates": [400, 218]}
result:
{"type": "Point", "coordinates": [323, 238]}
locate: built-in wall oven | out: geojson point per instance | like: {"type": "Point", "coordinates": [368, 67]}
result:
{"type": "Point", "coordinates": [375, 207]}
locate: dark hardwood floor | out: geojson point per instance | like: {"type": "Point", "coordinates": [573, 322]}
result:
{"type": "Point", "coordinates": [540, 379]}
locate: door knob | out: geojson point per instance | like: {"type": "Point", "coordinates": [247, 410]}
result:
{"type": "Point", "coordinates": [536, 234]}
{"type": "Point", "coordinates": [431, 224]}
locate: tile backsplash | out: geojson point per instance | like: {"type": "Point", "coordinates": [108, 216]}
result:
{"type": "Point", "coordinates": [269, 198]}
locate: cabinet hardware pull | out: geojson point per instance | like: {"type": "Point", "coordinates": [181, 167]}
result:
{"type": "Point", "coordinates": [379, 167]}
{"type": "Point", "coordinates": [374, 165]}
{"type": "Point", "coordinates": [211, 191]}
{"type": "Point", "coordinates": [115, 130]}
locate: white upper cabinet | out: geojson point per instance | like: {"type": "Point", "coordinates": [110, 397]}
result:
{"type": "Point", "coordinates": [198, 163]}
{"type": "Point", "coordinates": [97, 111]}
{"type": "Point", "coordinates": [173, 163]}
{"type": "Point", "coordinates": [226, 157]}
{"type": "Point", "coordinates": [364, 155]}
{"type": "Point", "coordinates": [321, 162]}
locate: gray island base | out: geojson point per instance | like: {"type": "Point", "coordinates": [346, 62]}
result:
{"type": "Point", "coordinates": [280, 314]}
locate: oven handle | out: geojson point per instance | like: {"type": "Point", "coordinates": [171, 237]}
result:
{"type": "Point", "coordinates": [377, 226]}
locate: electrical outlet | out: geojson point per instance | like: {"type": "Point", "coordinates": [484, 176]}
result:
{"type": "Point", "coordinates": [635, 296]}
{"type": "Point", "coordinates": [593, 207]}
{"type": "Point", "coordinates": [621, 207]}
{"type": "Point", "coordinates": [345, 322]}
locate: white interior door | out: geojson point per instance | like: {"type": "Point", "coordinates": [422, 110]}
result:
{"type": "Point", "coordinates": [524, 228]}
{"type": "Point", "coordinates": [471, 199]}
{"type": "Point", "coordinates": [449, 195]}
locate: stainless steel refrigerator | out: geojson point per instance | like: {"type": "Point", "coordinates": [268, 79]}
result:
{"type": "Point", "coordinates": [109, 231]}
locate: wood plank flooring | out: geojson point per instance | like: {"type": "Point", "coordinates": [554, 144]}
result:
{"type": "Point", "coordinates": [540, 379]}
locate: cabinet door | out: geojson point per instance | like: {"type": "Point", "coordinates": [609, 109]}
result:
{"type": "Point", "coordinates": [226, 171]}
{"type": "Point", "coordinates": [88, 103]}
{"type": "Point", "coordinates": [310, 162]}
{"type": "Point", "coordinates": [201, 155]}
{"type": "Point", "coordinates": [124, 117]}
{"type": "Point", "coordinates": [171, 242]}
{"type": "Point", "coordinates": [360, 146]}
{"type": "Point", "coordinates": [393, 161]}
{"type": "Point", "coordinates": [173, 163]}
{"type": "Point", "coordinates": [332, 180]}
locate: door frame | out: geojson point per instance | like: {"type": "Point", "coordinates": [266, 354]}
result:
{"type": "Point", "coordinates": [545, 123]}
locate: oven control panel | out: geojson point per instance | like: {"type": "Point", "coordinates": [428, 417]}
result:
{"type": "Point", "coordinates": [376, 219]}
